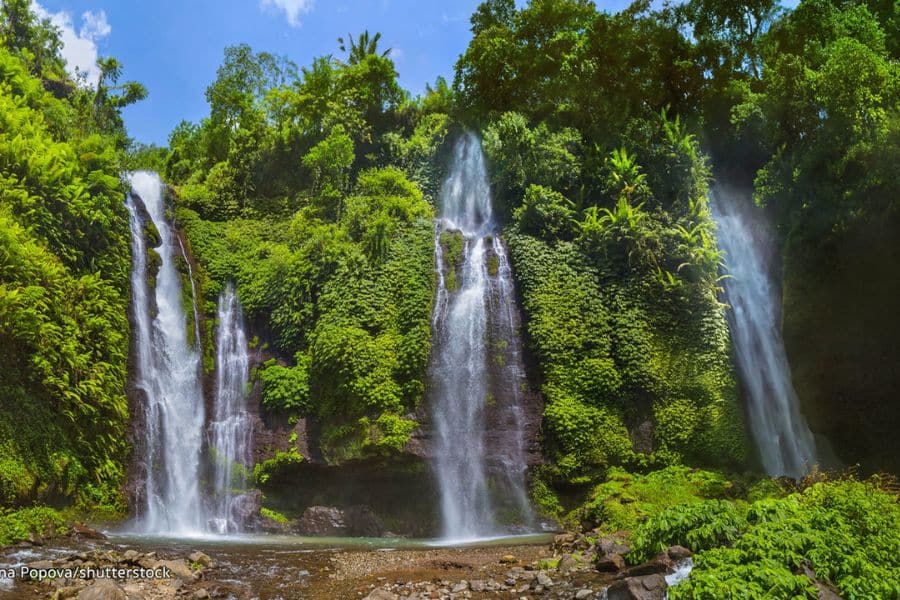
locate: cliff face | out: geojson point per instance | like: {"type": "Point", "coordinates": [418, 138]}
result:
{"type": "Point", "coordinates": [842, 332]}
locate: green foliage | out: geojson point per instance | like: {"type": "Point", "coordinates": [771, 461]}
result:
{"type": "Point", "coordinates": [698, 526]}
{"type": "Point", "coordinates": [847, 533]}
{"type": "Point", "coordinates": [286, 388]}
{"type": "Point", "coordinates": [276, 466]}
{"type": "Point", "coordinates": [272, 515]}
{"type": "Point", "coordinates": [17, 525]}
{"type": "Point", "coordinates": [545, 214]}
{"type": "Point", "coordinates": [64, 261]}
{"type": "Point", "coordinates": [625, 500]}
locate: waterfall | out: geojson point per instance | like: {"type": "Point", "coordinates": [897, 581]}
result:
{"type": "Point", "coordinates": [785, 443]}
{"type": "Point", "coordinates": [167, 370]}
{"type": "Point", "coordinates": [230, 431]}
{"type": "Point", "coordinates": [477, 373]}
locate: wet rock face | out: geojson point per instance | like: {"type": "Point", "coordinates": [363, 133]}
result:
{"type": "Point", "coordinates": [354, 521]}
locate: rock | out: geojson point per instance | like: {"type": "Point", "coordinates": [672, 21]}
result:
{"type": "Point", "coordinates": [35, 540]}
{"type": "Point", "coordinates": [583, 594]}
{"type": "Point", "coordinates": [87, 532]}
{"type": "Point", "coordinates": [177, 568]}
{"type": "Point", "coordinates": [245, 508]}
{"type": "Point", "coordinates": [610, 563]}
{"type": "Point", "coordinates": [201, 594]}
{"type": "Point", "coordinates": [508, 559]}
{"type": "Point", "coordinates": [202, 559]}
{"type": "Point", "coordinates": [567, 563]}
{"type": "Point", "coordinates": [103, 589]}
{"type": "Point", "coordinates": [361, 521]}
{"type": "Point", "coordinates": [131, 556]}
{"type": "Point", "coordinates": [477, 585]}
{"type": "Point", "coordinates": [612, 544]}
{"type": "Point", "coordinates": [563, 541]}
{"type": "Point", "coordinates": [660, 564]}
{"type": "Point", "coordinates": [677, 553]}
{"type": "Point", "coordinates": [462, 586]}
{"type": "Point", "coordinates": [380, 594]}
{"type": "Point", "coordinates": [322, 521]}
{"type": "Point", "coordinates": [64, 593]}
{"type": "Point", "coordinates": [649, 587]}
{"type": "Point", "coordinates": [543, 580]}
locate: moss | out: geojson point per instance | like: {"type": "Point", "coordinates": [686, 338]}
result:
{"type": "Point", "coordinates": [493, 265]}
{"type": "Point", "coordinates": [274, 467]}
{"type": "Point", "coordinates": [273, 515]}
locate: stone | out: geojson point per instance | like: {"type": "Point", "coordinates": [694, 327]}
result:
{"type": "Point", "coordinates": [177, 568]}
{"type": "Point", "coordinates": [201, 558]}
{"type": "Point", "coordinates": [103, 589]}
{"type": "Point", "coordinates": [508, 559]}
{"type": "Point", "coordinates": [64, 593]}
{"type": "Point", "coordinates": [35, 539]}
{"type": "Point", "coordinates": [322, 521]}
{"type": "Point", "coordinates": [610, 563]}
{"type": "Point", "coordinates": [131, 556]}
{"type": "Point", "coordinates": [612, 544]}
{"type": "Point", "coordinates": [660, 564]}
{"type": "Point", "coordinates": [583, 594]}
{"type": "Point", "coordinates": [677, 553]}
{"type": "Point", "coordinates": [648, 587]}
{"type": "Point", "coordinates": [380, 594]}
{"type": "Point", "coordinates": [543, 580]}
{"type": "Point", "coordinates": [477, 585]}
{"type": "Point", "coordinates": [567, 564]}
{"type": "Point", "coordinates": [87, 532]}
{"type": "Point", "coordinates": [201, 594]}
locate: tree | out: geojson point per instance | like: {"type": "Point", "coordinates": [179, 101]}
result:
{"type": "Point", "coordinates": [357, 50]}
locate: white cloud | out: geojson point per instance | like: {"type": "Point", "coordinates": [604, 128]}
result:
{"type": "Point", "coordinates": [292, 8]}
{"type": "Point", "coordinates": [79, 48]}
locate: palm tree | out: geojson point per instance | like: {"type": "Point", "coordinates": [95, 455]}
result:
{"type": "Point", "coordinates": [363, 46]}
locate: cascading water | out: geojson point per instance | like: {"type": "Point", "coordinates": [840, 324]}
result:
{"type": "Point", "coordinates": [230, 431]}
{"type": "Point", "coordinates": [474, 321]}
{"type": "Point", "coordinates": [167, 371]}
{"type": "Point", "coordinates": [785, 443]}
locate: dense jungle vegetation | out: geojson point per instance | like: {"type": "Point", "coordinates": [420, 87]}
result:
{"type": "Point", "coordinates": [314, 190]}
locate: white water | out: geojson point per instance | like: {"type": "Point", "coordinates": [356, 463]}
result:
{"type": "Point", "coordinates": [168, 372]}
{"type": "Point", "coordinates": [465, 322]}
{"type": "Point", "coordinates": [230, 431]}
{"type": "Point", "coordinates": [785, 443]}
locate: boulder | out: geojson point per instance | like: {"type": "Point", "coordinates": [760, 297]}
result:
{"type": "Point", "coordinates": [609, 563]}
{"type": "Point", "coordinates": [322, 521]}
{"type": "Point", "coordinates": [103, 589]}
{"type": "Point", "coordinates": [661, 564]}
{"type": "Point", "coordinates": [361, 521]}
{"type": "Point", "coordinates": [567, 563]}
{"type": "Point", "coordinates": [677, 553]}
{"type": "Point", "coordinates": [649, 587]}
{"type": "Point", "coordinates": [201, 558]}
{"type": "Point", "coordinates": [612, 544]}
{"type": "Point", "coordinates": [245, 508]}
{"type": "Point", "coordinates": [177, 568]}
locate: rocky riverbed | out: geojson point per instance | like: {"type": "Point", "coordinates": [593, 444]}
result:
{"type": "Point", "coordinates": [573, 566]}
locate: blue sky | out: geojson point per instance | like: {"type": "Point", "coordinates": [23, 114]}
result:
{"type": "Point", "coordinates": [174, 46]}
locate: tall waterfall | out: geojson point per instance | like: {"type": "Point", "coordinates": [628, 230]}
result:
{"type": "Point", "coordinates": [167, 371]}
{"type": "Point", "coordinates": [477, 373]}
{"type": "Point", "coordinates": [231, 428]}
{"type": "Point", "coordinates": [785, 443]}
